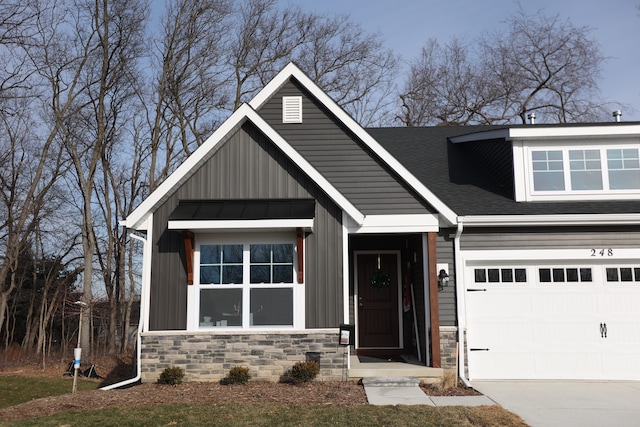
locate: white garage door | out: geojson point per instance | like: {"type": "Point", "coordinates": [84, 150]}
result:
{"type": "Point", "coordinates": [550, 321]}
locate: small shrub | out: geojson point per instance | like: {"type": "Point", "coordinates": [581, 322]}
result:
{"type": "Point", "coordinates": [172, 375]}
{"type": "Point", "coordinates": [303, 372]}
{"type": "Point", "coordinates": [237, 375]}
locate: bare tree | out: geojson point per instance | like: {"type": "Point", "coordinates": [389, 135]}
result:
{"type": "Point", "coordinates": [541, 64]}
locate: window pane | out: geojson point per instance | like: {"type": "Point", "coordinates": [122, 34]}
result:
{"type": "Point", "coordinates": [547, 170]}
{"type": "Point", "coordinates": [260, 274]}
{"type": "Point", "coordinates": [232, 274]}
{"type": "Point", "coordinates": [624, 169]}
{"type": "Point", "coordinates": [231, 253]}
{"type": "Point", "coordinates": [586, 172]}
{"type": "Point", "coordinates": [283, 253]}
{"type": "Point", "coordinates": [282, 274]}
{"type": "Point", "coordinates": [545, 275]}
{"type": "Point", "coordinates": [585, 275]}
{"type": "Point", "coordinates": [521, 275]}
{"type": "Point", "coordinates": [558, 274]}
{"type": "Point", "coordinates": [209, 274]}
{"type": "Point", "coordinates": [271, 307]}
{"type": "Point", "coordinates": [636, 274]}
{"type": "Point", "coordinates": [612, 274]}
{"type": "Point", "coordinates": [494, 275]}
{"type": "Point", "coordinates": [626, 275]}
{"type": "Point", "coordinates": [480, 275]}
{"type": "Point", "coordinates": [220, 307]}
{"type": "Point", "coordinates": [572, 274]}
{"type": "Point", "coordinates": [260, 253]}
{"type": "Point", "coordinates": [507, 275]}
{"type": "Point", "coordinates": [210, 254]}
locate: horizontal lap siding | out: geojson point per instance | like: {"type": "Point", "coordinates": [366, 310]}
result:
{"type": "Point", "coordinates": [447, 296]}
{"type": "Point", "coordinates": [245, 167]}
{"type": "Point", "coordinates": [339, 156]}
{"type": "Point", "coordinates": [550, 238]}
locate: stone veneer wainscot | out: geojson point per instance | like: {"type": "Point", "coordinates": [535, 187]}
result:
{"type": "Point", "coordinates": [209, 355]}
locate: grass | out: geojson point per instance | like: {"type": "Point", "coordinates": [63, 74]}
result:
{"type": "Point", "coordinates": [16, 389]}
{"type": "Point", "coordinates": [281, 415]}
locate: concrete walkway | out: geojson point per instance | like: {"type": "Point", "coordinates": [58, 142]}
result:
{"type": "Point", "coordinates": [406, 391]}
{"type": "Point", "coordinates": [568, 403]}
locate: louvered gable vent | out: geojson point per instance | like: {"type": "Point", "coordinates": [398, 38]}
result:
{"type": "Point", "coordinates": [291, 109]}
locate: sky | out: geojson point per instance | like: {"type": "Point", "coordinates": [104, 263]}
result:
{"type": "Point", "coordinates": [406, 25]}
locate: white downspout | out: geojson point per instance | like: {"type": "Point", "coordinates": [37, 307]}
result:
{"type": "Point", "coordinates": [462, 321]}
{"type": "Point", "coordinates": [140, 321]}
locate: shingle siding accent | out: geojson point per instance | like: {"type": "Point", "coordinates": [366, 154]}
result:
{"type": "Point", "coordinates": [208, 356]}
{"type": "Point", "coordinates": [339, 156]}
{"type": "Point", "coordinates": [249, 166]}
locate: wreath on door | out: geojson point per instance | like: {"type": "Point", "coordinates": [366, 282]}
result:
{"type": "Point", "coordinates": [380, 279]}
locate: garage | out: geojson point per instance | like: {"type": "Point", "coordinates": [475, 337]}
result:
{"type": "Point", "coordinates": [554, 318]}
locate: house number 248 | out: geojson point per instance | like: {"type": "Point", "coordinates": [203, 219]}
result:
{"type": "Point", "coordinates": [602, 252]}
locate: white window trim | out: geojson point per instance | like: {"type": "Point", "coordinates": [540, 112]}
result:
{"type": "Point", "coordinates": [193, 293]}
{"type": "Point", "coordinates": [523, 172]}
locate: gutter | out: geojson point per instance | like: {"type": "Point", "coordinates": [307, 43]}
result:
{"type": "Point", "coordinates": [140, 326]}
{"type": "Point", "coordinates": [459, 271]}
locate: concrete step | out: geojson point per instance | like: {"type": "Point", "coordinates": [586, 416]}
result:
{"type": "Point", "coordinates": [390, 382]}
{"type": "Point", "coordinates": [425, 374]}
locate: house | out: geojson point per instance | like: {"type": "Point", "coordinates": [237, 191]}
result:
{"type": "Point", "coordinates": [508, 251]}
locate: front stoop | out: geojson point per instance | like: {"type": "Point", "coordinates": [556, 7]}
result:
{"type": "Point", "coordinates": [358, 370]}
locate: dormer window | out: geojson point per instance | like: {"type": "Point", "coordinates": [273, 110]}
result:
{"type": "Point", "coordinates": [582, 172]}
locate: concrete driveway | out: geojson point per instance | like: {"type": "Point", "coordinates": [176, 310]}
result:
{"type": "Point", "coordinates": [568, 403]}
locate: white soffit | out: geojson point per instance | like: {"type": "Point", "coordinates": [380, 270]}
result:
{"type": "Point", "coordinates": [410, 223]}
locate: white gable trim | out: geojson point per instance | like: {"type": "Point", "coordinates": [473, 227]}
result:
{"type": "Point", "coordinates": [546, 133]}
{"type": "Point", "coordinates": [291, 70]}
{"type": "Point", "coordinates": [210, 146]}
{"type": "Point", "coordinates": [256, 224]}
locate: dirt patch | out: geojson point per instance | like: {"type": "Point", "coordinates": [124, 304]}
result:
{"type": "Point", "coordinates": [460, 390]}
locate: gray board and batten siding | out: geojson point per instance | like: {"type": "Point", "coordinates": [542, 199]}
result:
{"type": "Point", "coordinates": [249, 166]}
{"type": "Point", "coordinates": [350, 166]}
{"type": "Point", "coordinates": [447, 296]}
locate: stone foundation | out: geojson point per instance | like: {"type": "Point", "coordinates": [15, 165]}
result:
{"type": "Point", "coordinates": [448, 342]}
{"type": "Point", "coordinates": [208, 356]}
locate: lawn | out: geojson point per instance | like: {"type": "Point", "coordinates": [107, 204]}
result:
{"type": "Point", "coordinates": [17, 389]}
{"type": "Point", "coordinates": [281, 415]}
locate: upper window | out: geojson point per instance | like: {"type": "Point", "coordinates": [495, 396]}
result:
{"type": "Point", "coordinates": [584, 172]}
{"type": "Point", "coordinates": [245, 284]}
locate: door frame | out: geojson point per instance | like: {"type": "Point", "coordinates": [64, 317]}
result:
{"type": "Point", "coordinates": [399, 290]}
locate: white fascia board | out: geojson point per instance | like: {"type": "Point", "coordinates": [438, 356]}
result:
{"type": "Point", "coordinates": [217, 225]}
{"type": "Point", "coordinates": [549, 220]}
{"type": "Point", "coordinates": [292, 70]}
{"type": "Point", "coordinates": [534, 132]}
{"type": "Point", "coordinates": [224, 132]}
{"type": "Point", "coordinates": [416, 223]}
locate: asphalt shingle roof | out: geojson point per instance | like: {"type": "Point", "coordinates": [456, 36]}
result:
{"type": "Point", "coordinates": [465, 184]}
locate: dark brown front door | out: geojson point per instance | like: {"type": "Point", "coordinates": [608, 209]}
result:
{"type": "Point", "coordinates": [378, 321]}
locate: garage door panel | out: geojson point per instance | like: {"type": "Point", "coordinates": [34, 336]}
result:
{"type": "Point", "coordinates": [552, 329]}
{"type": "Point", "coordinates": [502, 335]}
{"type": "Point", "coordinates": [566, 335]}
{"type": "Point", "coordinates": [569, 364]}
{"type": "Point", "coordinates": [564, 301]}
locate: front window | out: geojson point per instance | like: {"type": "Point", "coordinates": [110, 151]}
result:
{"type": "Point", "coordinates": [248, 284]}
{"type": "Point", "coordinates": [588, 171]}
